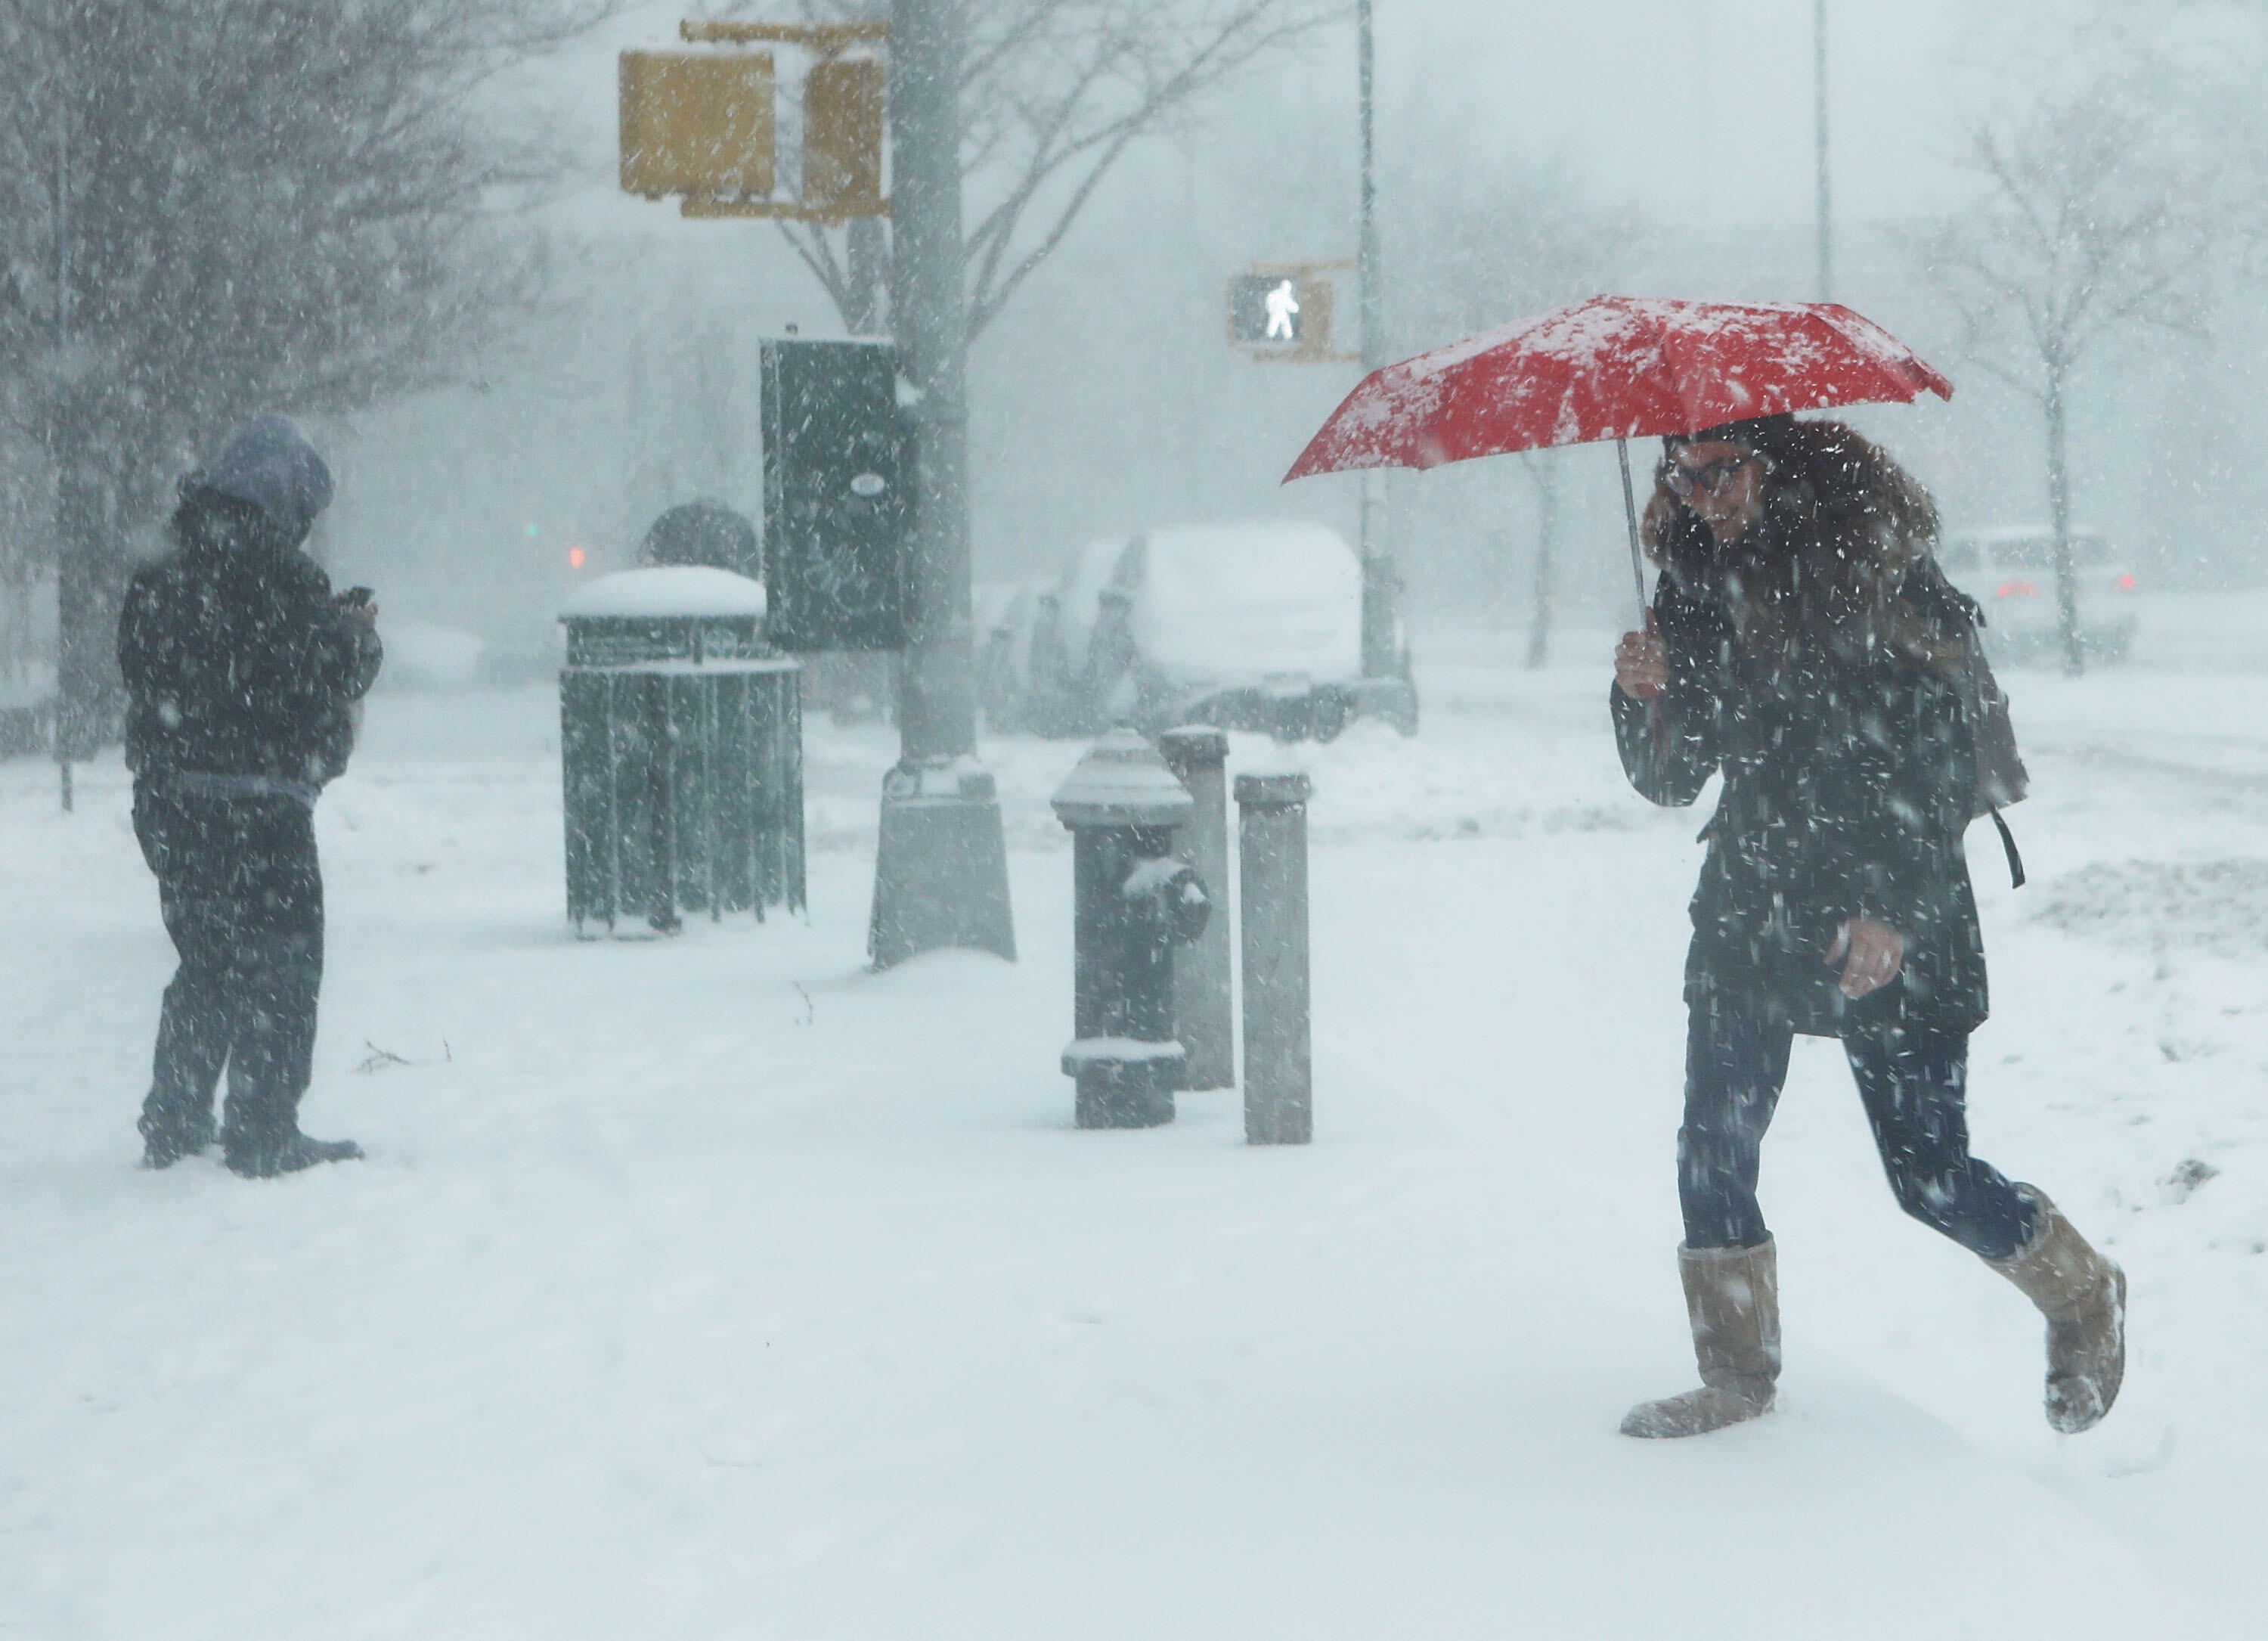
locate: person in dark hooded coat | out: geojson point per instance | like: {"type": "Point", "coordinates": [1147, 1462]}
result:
{"type": "Point", "coordinates": [1794, 646]}
{"type": "Point", "coordinates": [242, 671]}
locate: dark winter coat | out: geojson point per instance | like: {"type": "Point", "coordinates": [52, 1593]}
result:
{"type": "Point", "coordinates": [238, 660]}
{"type": "Point", "coordinates": [1847, 787]}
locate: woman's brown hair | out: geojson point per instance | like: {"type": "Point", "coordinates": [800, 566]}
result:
{"type": "Point", "coordinates": [1825, 568]}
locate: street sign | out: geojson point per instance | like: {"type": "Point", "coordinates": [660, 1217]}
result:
{"type": "Point", "coordinates": [837, 482]}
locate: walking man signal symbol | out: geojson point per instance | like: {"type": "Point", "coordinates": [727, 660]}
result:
{"type": "Point", "coordinates": [1283, 308]}
{"type": "Point", "coordinates": [1280, 313]}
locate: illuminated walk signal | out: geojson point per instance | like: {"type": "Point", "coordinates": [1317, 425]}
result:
{"type": "Point", "coordinates": [1264, 308]}
{"type": "Point", "coordinates": [1282, 311]}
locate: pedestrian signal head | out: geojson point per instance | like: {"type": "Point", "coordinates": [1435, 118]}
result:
{"type": "Point", "coordinates": [1267, 309]}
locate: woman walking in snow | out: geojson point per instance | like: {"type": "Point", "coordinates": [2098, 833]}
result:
{"type": "Point", "coordinates": [1792, 645]}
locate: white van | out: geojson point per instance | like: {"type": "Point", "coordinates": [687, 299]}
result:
{"type": "Point", "coordinates": [1246, 626]}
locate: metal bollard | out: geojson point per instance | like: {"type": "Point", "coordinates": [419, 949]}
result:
{"type": "Point", "coordinates": [1204, 1011]}
{"type": "Point", "coordinates": [1135, 903]}
{"type": "Point", "coordinates": [1272, 891]}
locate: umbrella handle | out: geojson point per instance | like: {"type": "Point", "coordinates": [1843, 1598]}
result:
{"type": "Point", "coordinates": [1630, 512]}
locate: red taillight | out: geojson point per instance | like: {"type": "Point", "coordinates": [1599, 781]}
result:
{"type": "Point", "coordinates": [2017, 589]}
{"type": "Point", "coordinates": [2125, 583]}
{"type": "Point", "coordinates": [576, 557]}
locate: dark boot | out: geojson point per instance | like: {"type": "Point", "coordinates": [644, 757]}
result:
{"type": "Point", "coordinates": [1732, 1298]}
{"type": "Point", "coordinates": [265, 1156]}
{"type": "Point", "coordinates": [167, 1137]}
{"type": "Point", "coordinates": [2083, 1296]}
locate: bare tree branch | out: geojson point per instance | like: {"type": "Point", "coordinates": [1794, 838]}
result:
{"type": "Point", "coordinates": [270, 204]}
{"type": "Point", "coordinates": [1116, 71]}
{"type": "Point", "coordinates": [1053, 93]}
{"type": "Point", "coordinates": [2098, 222]}
{"type": "Point", "coordinates": [809, 241]}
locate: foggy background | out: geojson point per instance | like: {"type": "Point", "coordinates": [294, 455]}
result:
{"type": "Point", "coordinates": [1529, 155]}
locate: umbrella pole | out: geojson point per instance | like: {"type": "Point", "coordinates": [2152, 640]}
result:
{"type": "Point", "coordinates": [1630, 512]}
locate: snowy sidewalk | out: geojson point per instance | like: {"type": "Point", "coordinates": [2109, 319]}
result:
{"type": "Point", "coordinates": [716, 1288]}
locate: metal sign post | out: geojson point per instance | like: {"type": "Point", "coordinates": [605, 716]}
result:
{"type": "Point", "coordinates": [700, 126]}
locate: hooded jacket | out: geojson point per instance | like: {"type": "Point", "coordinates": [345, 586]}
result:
{"type": "Point", "coordinates": [1848, 768]}
{"type": "Point", "coordinates": [238, 664]}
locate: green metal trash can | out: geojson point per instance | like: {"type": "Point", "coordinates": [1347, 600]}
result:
{"type": "Point", "coordinates": [681, 741]}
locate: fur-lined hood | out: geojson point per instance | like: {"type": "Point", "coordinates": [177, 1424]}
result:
{"type": "Point", "coordinates": [1824, 573]}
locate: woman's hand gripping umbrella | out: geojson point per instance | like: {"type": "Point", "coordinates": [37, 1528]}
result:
{"type": "Point", "coordinates": [1615, 367]}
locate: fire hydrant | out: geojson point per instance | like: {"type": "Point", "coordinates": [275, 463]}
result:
{"type": "Point", "coordinates": [1135, 903]}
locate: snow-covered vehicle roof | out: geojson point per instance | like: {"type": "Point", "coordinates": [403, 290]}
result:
{"type": "Point", "coordinates": [1231, 605]}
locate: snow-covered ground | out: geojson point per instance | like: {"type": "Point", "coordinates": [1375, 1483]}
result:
{"type": "Point", "coordinates": [715, 1287]}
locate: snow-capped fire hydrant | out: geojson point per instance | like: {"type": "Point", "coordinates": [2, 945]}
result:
{"type": "Point", "coordinates": [1135, 903]}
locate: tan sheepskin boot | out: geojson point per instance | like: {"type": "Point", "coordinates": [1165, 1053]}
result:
{"type": "Point", "coordinates": [1732, 1298]}
{"type": "Point", "coordinates": [2083, 1296]}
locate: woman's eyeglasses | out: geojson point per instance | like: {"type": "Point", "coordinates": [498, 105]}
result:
{"type": "Point", "coordinates": [1683, 481]}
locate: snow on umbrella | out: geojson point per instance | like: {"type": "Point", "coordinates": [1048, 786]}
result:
{"type": "Point", "coordinates": [1615, 367]}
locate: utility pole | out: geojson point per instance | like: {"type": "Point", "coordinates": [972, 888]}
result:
{"type": "Point", "coordinates": [1386, 691]}
{"type": "Point", "coordinates": [90, 563]}
{"type": "Point", "coordinates": [1819, 123]}
{"type": "Point", "coordinates": [941, 869]}
{"type": "Point", "coordinates": [66, 713]}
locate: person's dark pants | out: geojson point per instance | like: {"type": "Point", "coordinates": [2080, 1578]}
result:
{"type": "Point", "coordinates": [1914, 1085]}
{"type": "Point", "coordinates": [242, 896]}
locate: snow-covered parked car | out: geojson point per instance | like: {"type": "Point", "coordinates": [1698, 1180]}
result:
{"type": "Point", "coordinates": [2011, 572]}
{"type": "Point", "coordinates": [1245, 626]}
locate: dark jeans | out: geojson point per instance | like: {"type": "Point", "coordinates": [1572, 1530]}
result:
{"type": "Point", "coordinates": [1914, 1085]}
{"type": "Point", "coordinates": [242, 896]}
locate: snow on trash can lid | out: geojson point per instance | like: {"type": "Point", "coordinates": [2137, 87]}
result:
{"type": "Point", "coordinates": [1122, 781]}
{"type": "Point", "coordinates": [665, 591]}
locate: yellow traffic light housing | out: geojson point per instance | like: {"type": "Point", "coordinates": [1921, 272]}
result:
{"type": "Point", "coordinates": [843, 111]}
{"type": "Point", "coordinates": [697, 123]}
{"type": "Point", "coordinates": [701, 125]}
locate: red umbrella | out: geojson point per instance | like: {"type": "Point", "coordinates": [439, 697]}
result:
{"type": "Point", "coordinates": [1615, 367]}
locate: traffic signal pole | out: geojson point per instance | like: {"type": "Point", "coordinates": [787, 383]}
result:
{"type": "Point", "coordinates": [941, 869]}
{"type": "Point", "coordinates": [703, 127]}
{"type": "Point", "coordinates": [1387, 693]}
{"type": "Point", "coordinates": [1377, 564]}
{"type": "Point", "coordinates": [1826, 220]}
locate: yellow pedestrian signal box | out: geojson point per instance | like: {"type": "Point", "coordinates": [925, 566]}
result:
{"type": "Point", "coordinates": [697, 123]}
{"type": "Point", "coordinates": [843, 111]}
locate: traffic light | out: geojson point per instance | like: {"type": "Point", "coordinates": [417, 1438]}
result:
{"type": "Point", "coordinates": [697, 123]}
{"type": "Point", "coordinates": [838, 477]}
{"type": "Point", "coordinates": [1281, 312]}
{"type": "Point", "coordinates": [1266, 308]}
{"type": "Point", "coordinates": [702, 125]}
{"type": "Point", "coordinates": [844, 103]}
